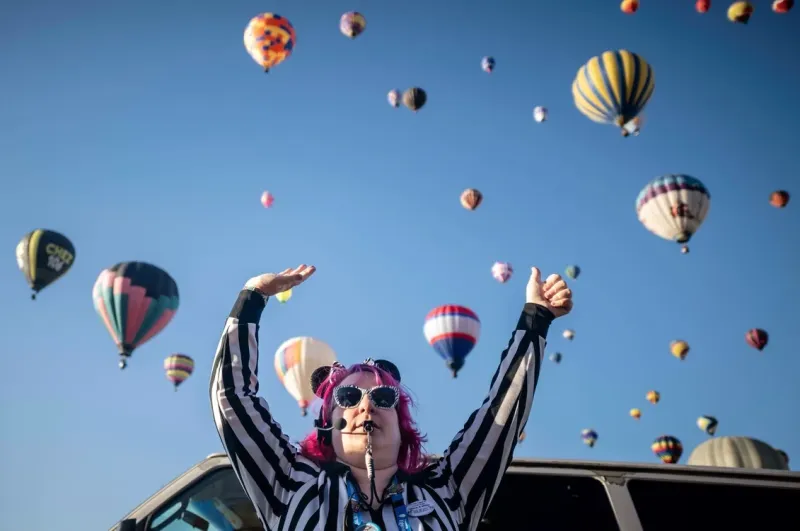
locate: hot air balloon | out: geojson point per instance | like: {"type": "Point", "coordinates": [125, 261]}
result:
{"type": "Point", "coordinates": [135, 300]}
{"type": "Point", "coordinates": [178, 368]}
{"type": "Point", "coordinates": [487, 64]}
{"type": "Point", "coordinates": [284, 296]}
{"type": "Point", "coordinates": [679, 349]}
{"type": "Point", "coordinates": [522, 436]}
{"type": "Point", "coordinates": [629, 7]}
{"type": "Point", "coordinates": [613, 88]}
{"type": "Point", "coordinates": [782, 6]}
{"type": "Point", "coordinates": [653, 397]}
{"type": "Point", "coordinates": [757, 338]}
{"type": "Point", "coordinates": [269, 39]}
{"type": "Point", "coordinates": [502, 271]}
{"type": "Point", "coordinates": [737, 452]}
{"type": "Point", "coordinates": [573, 271]}
{"type": "Point", "coordinates": [540, 114]}
{"type": "Point", "coordinates": [352, 24]}
{"type": "Point", "coordinates": [740, 12]}
{"type": "Point", "coordinates": [267, 199]}
{"type": "Point", "coordinates": [636, 413]}
{"type": "Point", "coordinates": [708, 424]}
{"type": "Point", "coordinates": [453, 332]}
{"type": "Point", "coordinates": [44, 256]}
{"type": "Point", "coordinates": [589, 437]}
{"type": "Point", "coordinates": [295, 360]}
{"type": "Point", "coordinates": [555, 357]}
{"type": "Point", "coordinates": [702, 6]}
{"type": "Point", "coordinates": [673, 207]}
{"type": "Point", "coordinates": [568, 334]}
{"type": "Point", "coordinates": [779, 198]}
{"type": "Point", "coordinates": [471, 198]}
{"type": "Point", "coordinates": [414, 98]}
{"type": "Point", "coordinates": [394, 98]}
{"type": "Point", "coordinates": [668, 448]}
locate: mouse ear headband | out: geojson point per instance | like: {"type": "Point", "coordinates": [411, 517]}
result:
{"type": "Point", "coordinates": [320, 375]}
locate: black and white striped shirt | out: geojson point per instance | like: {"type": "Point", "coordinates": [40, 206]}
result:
{"type": "Point", "coordinates": [292, 493]}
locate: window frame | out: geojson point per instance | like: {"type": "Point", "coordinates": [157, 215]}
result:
{"type": "Point", "coordinates": [613, 484]}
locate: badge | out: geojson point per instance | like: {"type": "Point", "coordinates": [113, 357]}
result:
{"type": "Point", "coordinates": [420, 508]}
{"type": "Point", "coordinates": [369, 526]}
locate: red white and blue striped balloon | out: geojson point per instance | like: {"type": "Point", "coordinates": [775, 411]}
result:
{"type": "Point", "coordinates": [452, 331]}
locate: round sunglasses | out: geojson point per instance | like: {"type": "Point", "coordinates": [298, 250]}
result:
{"type": "Point", "coordinates": [381, 396]}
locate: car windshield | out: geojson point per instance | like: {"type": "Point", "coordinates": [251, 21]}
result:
{"type": "Point", "coordinates": [216, 503]}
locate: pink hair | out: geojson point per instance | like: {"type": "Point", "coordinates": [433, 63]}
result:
{"type": "Point", "coordinates": [410, 458]}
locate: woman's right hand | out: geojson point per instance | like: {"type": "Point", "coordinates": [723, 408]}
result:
{"type": "Point", "coordinates": [270, 284]}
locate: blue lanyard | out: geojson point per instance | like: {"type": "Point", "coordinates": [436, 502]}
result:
{"type": "Point", "coordinates": [400, 512]}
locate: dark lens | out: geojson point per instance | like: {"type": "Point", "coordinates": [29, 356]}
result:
{"type": "Point", "coordinates": [384, 397]}
{"type": "Point", "coordinates": [348, 396]}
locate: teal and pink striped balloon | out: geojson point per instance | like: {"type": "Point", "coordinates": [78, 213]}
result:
{"type": "Point", "coordinates": [135, 300]}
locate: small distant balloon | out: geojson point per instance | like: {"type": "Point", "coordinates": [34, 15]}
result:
{"type": "Point", "coordinates": [629, 6]}
{"type": "Point", "coordinates": [352, 24]}
{"type": "Point", "coordinates": [589, 437]}
{"type": "Point", "coordinates": [522, 436]}
{"type": "Point", "coordinates": [740, 12]}
{"type": "Point", "coordinates": [269, 39]}
{"type": "Point", "coordinates": [667, 448]}
{"type": "Point", "coordinates": [452, 331]}
{"type": "Point", "coordinates": [679, 349]}
{"type": "Point", "coordinates": [394, 98]}
{"type": "Point", "coordinates": [702, 6]}
{"type": "Point", "coordinates": [782, 6]}
{"type": "Point", "coordinates": [555, 357]}
{"type": "Point", "coordinates": [757, 338]}
{"type": "Point", "coordinates": [267, 199]}
{"type": "Point", "coordinates": [779, 198]}
{"type": "Point", "coordinates": [284, 296]}
{"type": "Point", "coordinates": [573, 271]}
{"type": "Point", "coordinates": [653, 397]}
{"type": "Point", "coordinates": [540, 114]}
{"type": "Point", "coordinates": [502, 271]}
{"type": "Point", "coordinates": [569, 334]}
{"type": "Point", "coordinates": [471, 198]}
{"type": "Point", "coordinates": [178, 368]}
{"type": "Point", "coordinates": [487, 64]}
{"type": "Point", "coordinates": [415, 98]}
{"type": "Point", "coordinates": [708, 424]}
{"type": "Point", "coordinates": [636, 413]}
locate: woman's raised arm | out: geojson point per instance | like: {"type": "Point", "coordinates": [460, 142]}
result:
{"type": "Point", "coordinates": [471, 468]}
{"type": "Point", "coordinates": [265, 461]}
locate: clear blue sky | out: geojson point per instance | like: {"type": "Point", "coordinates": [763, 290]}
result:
{"type": "Point", "coordinates": [145, 132]}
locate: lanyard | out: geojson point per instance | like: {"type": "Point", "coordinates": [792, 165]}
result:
{"type": "Point", "coordinates": [400, 512]}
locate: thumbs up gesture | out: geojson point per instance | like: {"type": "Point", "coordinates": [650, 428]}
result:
{"type": "Point", "coordinates": [553, 294]}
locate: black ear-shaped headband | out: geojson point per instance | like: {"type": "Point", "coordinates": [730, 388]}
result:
{"type": "Point", "coordinates": [323, 373]}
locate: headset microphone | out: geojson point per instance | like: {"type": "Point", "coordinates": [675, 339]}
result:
{"type": "Point", "coordinates": [338, 425]}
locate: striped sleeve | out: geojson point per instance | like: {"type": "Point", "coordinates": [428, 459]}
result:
{"type": "Point", "coordinates": [266, 463]}
{"type": "Point", "coordinates": [470, 470]}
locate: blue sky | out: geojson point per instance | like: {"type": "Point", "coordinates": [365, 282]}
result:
{"type": "Point", "coordinates": [144, 132]}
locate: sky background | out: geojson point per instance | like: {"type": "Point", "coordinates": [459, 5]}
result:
{"type": "Point", "coordinates": [143, 131]}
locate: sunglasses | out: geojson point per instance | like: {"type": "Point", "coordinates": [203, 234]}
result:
{"type": "Point", "coordinates": [381, 396]}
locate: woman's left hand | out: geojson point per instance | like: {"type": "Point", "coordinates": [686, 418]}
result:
{"type": "Point", "coordinates": [553, 294]}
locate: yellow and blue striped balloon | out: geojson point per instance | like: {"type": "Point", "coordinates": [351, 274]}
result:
{"type": "Point", "coordinates": [178, 368]}
{"type": "Point", "coordinates": [613, 88]}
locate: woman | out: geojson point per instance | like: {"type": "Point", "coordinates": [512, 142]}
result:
{"type": "Point", "coordinates": [364, 469]}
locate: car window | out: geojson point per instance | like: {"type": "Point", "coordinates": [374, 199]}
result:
{"type": "Point", "coordinates": [550, 503]}
{"type": "Point", "coordinates": [672, 505]}
{"type": "Point", "coordinates": [216, 502]}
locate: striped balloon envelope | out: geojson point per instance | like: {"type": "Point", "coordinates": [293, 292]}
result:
{"type": "Point", "coordinates": [295, 360]}
{"type": "Point", "coordinates": [667, 448]}
{"type": "Point", "coordinates": [452, 331]}
{"type": "Point", "coordinates": [178, 368]}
